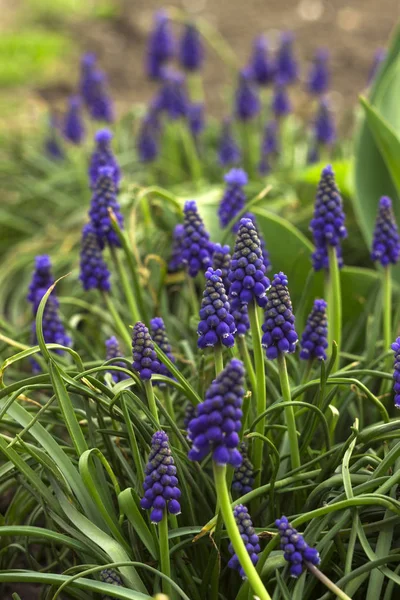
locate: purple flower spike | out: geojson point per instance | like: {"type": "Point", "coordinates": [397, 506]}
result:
{"type": "Point", "coordinates": [264, 251]}
{"type": "Point", "coordinates": [217, 325]}
{"type": "Point", "coordinates": [113, 351]}
{"type": "Point", "coordinates": [318, 78]}
{"type": "Point", "coordinates": [196, 246]}
{"type": "Point", "coordinates": [159, 337]}
{"type": "Point", "coordinates": [286, 64]}
{"type": "Point", "coordinates": [195, 118]}
{"type": "Point", "coordinates": [281, 105]}
{"type": "Point", "coordinates": [261, 65]}
{"type": "Point", "coordinates": [324, 126]}
{"type": "Point", "coordinates": [234, 198]}
{"type": "Point", "coordinates": [247, 101]}
{"type": "Point", "coordinates": [110, 576]}
{"type": "Point", "coordinates": [327, 226]}
{"type": "Point", "coordinates": [103, 156]}
{"type": "Point", "coordinates": [280, 335]}
{"type": "Point", "coordinates": [104, 197]}
{"type": "Point", "coordinates": [161, 45]}
{"type": "Point", "coordinates": [172, 98]}
{"type": "Point", "coordinates": [240, 313]}
{"type": "Point", "coordinates": [53, 328]}
{"type": "Point", "coordinates": [269, 147]}
{"type": "Point", "coordinates": [386, 242]}
{"type": "Point", "coordinates": [249, 537]}
{"type": "Point", "coordinates": [101, 106]}
{"type": "Point", "coordinates": [314, 339]}
{"type": "Point", "coordinates": [74, 130]}
{"type": "Point", "coordinates": [215, 427]}
{"type": "Point", "coordinates": [296, 550]}
{"type": "Point", "coordinates": [176, 260]}
{"type": "Point", "coordinates": [161, 491]}
{"type": "Point", "coordinates": [42, 279]}
{"type": "Point", "coordinates": [247, 274]}
{"type": "Point", "coordinates": [147, 142]}
{"type": "Point", "coordinates": [145, 361]}
{"type": "Point", "coordinates": [396, 372]}
{"type": "Point", "coordinates": [243, 476]}
{"type": "Point", "coordinates": [88, 67]}
{"type": "Point", "coordinates": [221, 259]}
{"type": "Point", "coordinates": [191, 49]}
{"type": "Point", "coordinates": [228, 150]}
{"type": "Point", "coordinates": [94, 272]}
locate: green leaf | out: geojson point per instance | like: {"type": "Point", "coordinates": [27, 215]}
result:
{"type": "Point", "coordinates": [128, 501]}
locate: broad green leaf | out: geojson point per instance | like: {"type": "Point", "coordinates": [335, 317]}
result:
{"type": "Point", "coordinates": [128, 501]}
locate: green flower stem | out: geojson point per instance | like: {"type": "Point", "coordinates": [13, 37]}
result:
{"type": "Point", "coordinates": [192, 296]}
{"type": "Point", "coordinates": [327, 582]}
{"type": "Point", "coordinates": [219, 361]}
{"type": "Point", "coordinates": [234, 534]}
{"type": "Point", "coordinates": [334, 296]}
{"type": "Point", "coordinates": [261, 397]}
{"type": "Point", "coordinates": [289, 412]}
{"type": "Point", "coordinates": [133, 443]}
{"type": "Point", "coordinates": [164, 552]}
{"type": "Point", "coordinates": [170, 410]}
{"type": "Point", "coordinates": [387, 307]}
{"type": "Point", "coordinates": [119, 324]}
{"type": "Point", "coordinates": [191, 152]}
{"type": "Point", "coordinates": [151, 400]}
{"type": "Point", "coordinates": [125, 286]}
{"type": "Point", "coordinates": [245, 356]}
{"type": "Point", "coordinates": [246, 134]}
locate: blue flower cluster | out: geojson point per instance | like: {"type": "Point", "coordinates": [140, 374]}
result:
{"type": "Point", "coordinates": [324, 126]}
{"type": "Point", "coordinates": [228, 150]}
{"type": "Point", "coordinates": [287, 69]}
{"type": "Point", "coordinates": [147, 142]}
{"type": "Point", "coordinates": [215, 427]}
{"type": "Point", "coordinates": [103, 157]}
{"type": "Point", "coordinates": [280, 335]}
{"type": "Point", "coordinates": [88, 67]}
{"type": "Point", "coordinates": [327, 226]}
{"type": "Point", "coordinates": [110, 576]}
{"type": "Point", "coordinates": [243, 476]}
{"type": "Point", "coordinates": [281, 105]}
{"type": "Point", "coordinates": [216, 324]}
{"type": "Point", "coordinates": [296, 550]}
{"type": "Point", "coordinates": [261, 66]}
{"type": "Point", "coordinates": [159, 337]}
{"type": "Point", "coordinates": [240, 314]}
{"type": "Point", "coordinates": [196, 246]}
{"type": "Point", "coordinates": [74, 129]}
{"type": "Point", "coordinates": [105, 197]}
{"type": "Point", "coordinates": [386, 241]}
{"type": "Point", "coordinates": [396, 372]}
{"type": "Point", "coordinates": [191, 52]}
{"type": "Point", "coordinates": [247, 101]}
{"type": "Point", "coordinates": [161, 491]}
{"type": "Point", "coordinates": [53, 328]}
{"type": "Point", "coordinates": [234, 198]}
{"type": "Point", "coordinates": [113, 351]}
{"type": "Point", "coordinates": [248, 535]}
{"type": "Point", "coordinates": [318, 78]}
{"type": "Point", "coordinates": [221, 259]}
{"type": "Point", "coordinates": [172, 97]}
{"type": "Point", "coordinates": [42, 279]}
{"type": "Point", "coordinates": [145, 361]}
{"type": "Point", "coordinates": [101, 107]}
{"type": "Point", "coordinates": [161, 45]}
{"type": "Point", "coordinates": [176, 260]}
{"type": "Point", "coordinates": [314, 339]}
{"type": "Point", "coordinates": [94, 273]}
{"type": "Point", "coordinates": [269, 147]}
{"type": "Point", "coordinates": [195, 117]}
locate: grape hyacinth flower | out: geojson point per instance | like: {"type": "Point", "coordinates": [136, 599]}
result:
{"type": "Point", "coordinates": [145, 361]}
{"type": "Point", "coordinates": [327, 226]}
{"type": "Point", "coordinates": [249, 537]}
{"type": "Point", "coordinates": [110, 576]}
{"type": "Point", "coordinates": [105, 197]}
{"type": "Point", "coordinates": [247, 101]}
{"type": "Point", "coordinates": [42, 279]}
{"type": "Point", "coordinates": [264, 251]}
{"type": "Point", "coordinates": [280, 335]}
{"type": "Point", "coordinates": [103, 156]}
{"type": "Point", "coordinates": [379, 57]}
{"type": "Point", "coordinates": [247, 274]}
{"type": "Point", "coordinates": [243, 476]}
{"type": "Point", "coordinates": [191, 53]}
{"type": "Point", "coordinates": [269, 147]}
{"type": "Point", "coordinates": [215, 427]}
{"type": "Point", "coordinates": [296, 550]}
{"type": "Point", "coordinates": [113, 351]}
{"type": "Point", "coordinates": [53, 328]}
{"type": "Point", "coordinates": [281, 105]}
{"type": "Point", "coordinates": [73, 129]}
{"type": "Point", "coordinates": [196, 246]}
{"type": "Point", "coordinates": [386, 241]}
{"type": "Point", "coordinates": [94, 273]}
{"type": "Point", "coordinates": [172, 98]}
{"type": "Point", "coordinates": [318, 78]}
{"type": "Point", "coordinates": [228, 150]}
{"type": "Point", "coordinates": [221, 259]}
{"type": "Point", "coordinates": [176, 260]}
{"type": "Point", "coordinates": [161, 45]}
{"type": "Point", "coordinates": [324, 125]}
{"type": "Point", "coordinates": [234, 198]}
{"type": "Point", "coordinates": [216, 322]}
{"type": "Point", "coordinates": [286, 64]}
{"type": "Point", "coordinates": [159, 337]}
{"type": "Point", "coordinates": [195, 116]}
{"type": "Point", "coordinates": [147, 143]}
{"type": "Point", "coordinates": [161, 491]}
{"type": "Point", "coordinates": [314, 339]}
{"type": "Point", "coordinates": [240, 314]}
{"type": "Point", "coordinates": [88, 64]}
{"type": "Point", "coordinates": [101, 106]}
{"type": "Point", "coordinates": [261, 66]}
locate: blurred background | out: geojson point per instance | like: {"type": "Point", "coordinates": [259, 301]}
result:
{"type": "Point", "coordinates": [41, 42]}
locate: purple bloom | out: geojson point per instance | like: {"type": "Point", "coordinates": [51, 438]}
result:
{"type": "Point", "coordinates": [261, 65]}
{"type": "Point", "coordinates": [176, 260]}
{"type": "Point", "coordinates": [215, 427]}
{"type": "Point", "coordinates": [386, 242]}
{"type": "Point", "coordinates": [379, 57]}
{"type": "Point", "coordinates": [240, 313]}
{"type": "Point", "coordinates": [221, 259]}
{"type": "Point", "coordinates": [280, 335]}
{"type": "Point", "coordinates": [110, 576]}
{"type": "Point", "coordinates": [42, 279]}
{"type": "Point", "coordinates": [103, 156]}
{"type": "Point", "coordinates": [147, 142]}
{"type": "Point", "coordinates": [314, 339]}
{"type": "Point", "coordinates": [161, 45]}
{"type": "Point", "coordinates": [159, 337]}
{"type": "Point", "coordinates": [94, 271]}
{"type": "Point", "coordinates": [318, 78]}
{"type": "Point", "coordinates": [161, 491]}
{"type": "Point", "coordinates": [264, 251]}
{"type": "Point", "coordinates": [281, 105]}
{"type": "Point", "coordinates": [191, 52]}
{"type": "Point", "coordinates": [196, 246]}
{"type": "Point", "coordinates": [324, 126]}
{"type": "Point", "coordinates": [327, 225]}
{"type": "Point", "coordinates": [296, 550]}
{"type": "Point", "coordinates": [243, 476]}
{"type": "Point", "coordinates": [104, 197]}
{"type": "Point", "coordinates": [247, 101]}
{"type": "Point", "coordinates": [88, 65]}
{"type": "Point", "coordinates": [234, 198]}
{"type": "Point", "coordinates": [113, 351]}
{"type": "Point", "coordinates": [74, 130]}
{"type": "Point", "coordinates": [249, 537]}
{"type": "Point", "coordinates": [217, 325]}
{"type": "Point", "coordinates": [101, 106]}
{"type": "Point", "coordinates": [195, 117]}
{"type": "Point", "coordinates": [53, 329]}
{"type": "Point", "coordinates": [286, 64]}
{"type": "Point", "coordinates": [396, 372]}
{"type": "Point", "coordinates": [145, 361]}
{"type": "Point", "coordinates": [269, 147]}
{"type": "Point", "coordinates": [172, 97]}
{"type": "Point", "coordinates": [247, 274]}
{"type": "Point", "coordinates": [228, 150]}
